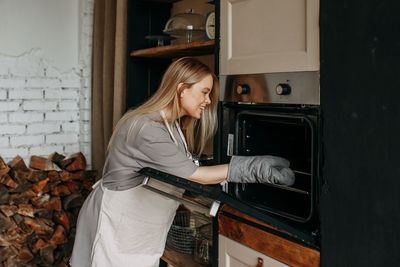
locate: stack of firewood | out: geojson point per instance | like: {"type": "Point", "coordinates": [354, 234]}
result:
{"type": "Point", "coordinates": [39, 207]}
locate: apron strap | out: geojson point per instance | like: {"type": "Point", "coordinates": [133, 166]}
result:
{"type": "Point", "coordinates": [181, 135]}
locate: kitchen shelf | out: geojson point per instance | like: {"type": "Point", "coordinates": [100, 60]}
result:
{"type": "Point", "coordinates": [177, 259]}
{"type": "Point", "coordinates": [161, 1]}
{"type": "Point", "coordinates": [177, 50]}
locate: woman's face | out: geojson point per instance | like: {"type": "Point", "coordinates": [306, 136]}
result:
{"type": "Point", "coordinates": [194, 99]}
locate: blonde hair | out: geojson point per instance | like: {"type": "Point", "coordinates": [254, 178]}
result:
{"type": "Point", "coordinates": [187, 71]}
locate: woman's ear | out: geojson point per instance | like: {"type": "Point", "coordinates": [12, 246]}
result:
{"type": "Point", "coordinates": [180, 90]}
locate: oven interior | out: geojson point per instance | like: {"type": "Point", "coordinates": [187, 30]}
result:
{"type": "Point", "coordinates": [252, 131]}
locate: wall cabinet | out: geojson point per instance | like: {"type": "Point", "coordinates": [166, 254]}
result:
{"type": "Point", "coordinates": [264, 36]}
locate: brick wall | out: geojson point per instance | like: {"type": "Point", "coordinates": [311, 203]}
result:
{"type": "Point", "coordinates": [43, 110]}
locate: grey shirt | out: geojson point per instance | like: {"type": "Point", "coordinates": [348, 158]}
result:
{"type": "Point", "coordinates": [149, 145]}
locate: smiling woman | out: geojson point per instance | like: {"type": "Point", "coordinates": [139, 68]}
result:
{"type": "Point", "coordinates": [121, 222]}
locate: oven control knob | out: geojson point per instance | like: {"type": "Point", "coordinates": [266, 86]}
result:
{"type": "Point", "coordinates": [283, 89]}
{"type": "Point", "coordinates": [243, 89]}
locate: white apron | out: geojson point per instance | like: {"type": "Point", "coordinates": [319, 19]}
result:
{"type": "Point", "coordinates": [133, 224]}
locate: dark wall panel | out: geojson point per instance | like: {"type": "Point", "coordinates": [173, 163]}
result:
{"type": "Point", "coordinates": [360, 93]}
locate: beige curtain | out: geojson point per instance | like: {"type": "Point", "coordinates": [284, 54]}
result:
{"type": "Point", "coordinates": [108, 73]}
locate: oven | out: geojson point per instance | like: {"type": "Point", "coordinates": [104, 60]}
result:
{"type": "Point", "coordinates": [288, 132]}
{"type": "Point", "coordinates": [275, 114]}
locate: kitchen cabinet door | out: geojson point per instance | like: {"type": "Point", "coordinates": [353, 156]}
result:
{"type": "Point", "coordinates": [264, 36]}
{"type": "Point", "coordinates": [234, 254]}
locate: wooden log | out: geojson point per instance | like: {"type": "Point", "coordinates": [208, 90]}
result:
{"type": "Point", "coordinates": [20, 175]}
{"type": "Point", "coordinates": [59, 236]}
{"type": "Point", "coordinates": [37, 187]}
{"type": "Point", "coordinates": [73, 216]}
{"type": "Point", "coordinates": [49, 186]}
{"type": "Point", "coordinates": [22, 238]}
{"type": "Point", "coordinates": [7, 252]}
{"type": "Point", "coordinates": [45, 231]}
{"type": "Point", "coordinates": [3, 165]}
{"type": "Point", "coordinates": [65, 162]}
{"type": "Point", "coordinates": [73, 201]}
{"type": "Point", "coordinates": [18, 198]}
{"type": "Point", "coordinates": [91, 175]}
{"type": "Point", "coordinates": [64, 263]}
{"type": "Point", "coordinates": [18, 219]}
{"type": "Point", "coordinates": [4, 169]}
{"type": "Point", "coordinates": [8, 181]}
{"type": "Point", "coordinates": [41, 163]}
{"type": "Point", "coordinates": [30, 193]}
{"type": "Point", "coordinates": [66, 248]}
{"type": "Point", "coordinates": [37, 176]}
{"type": "Point", "coordinates": [38, 245]}
{"type": "Point", "coordinates": [32, 223]}
{"type": "Point", "coordinates": [60, 190]}
{"type": "Point", "coordinates": [73, 186]}
{"type": "Point", "coordinates": [21, 198]}
{"type": "Point", "coordinates": [17, 163]}
{"type": "Point", "coordinates": [53, 176]}
{"type": "Point", "coordinates": [11, 261]}
{"type": "Point", "coordinates": [62, 218]}
{"type": "Point", "coordinates": [22, 186]}
{"type": "Point", "coordinates": [47, 253]}
{"type": "Point", "coordinates": [19, 235]}
{"type": "Point", "coordinates": [68, 176]}
{"type": "Point", "coordinates": [55, 157]}
{"type": "Point", "coordinates": [4, 241]}
{"type": "Point", "coordinates": [40, 200]}
{"type": "Point", "coordinates": [53, 204]}
{"type": "Point", "coordinates": [24, 255]}
{"type": "Point", "coordinates": [48, 222]}
{"type": "Point", "coordinates": [79, 162]}
{"type": "Point", "coordinates": [4, 195]}
{"type": "Point", "coordinates": [8, 210]}
{"type": "Point", "coordinates": [25, 210]}
{"type": "Point", "coordinates": [5, 223]}
{"type": "Point", "coordinates": [87, 185]}
{"type": "Point", "coordinates": [44, 213]}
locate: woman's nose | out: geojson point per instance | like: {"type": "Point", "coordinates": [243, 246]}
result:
{"type": "Point", "coordinates": [207, 100]}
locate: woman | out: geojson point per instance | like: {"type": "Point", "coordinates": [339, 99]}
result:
{"type": "Point", "coordinates": [123, 224]}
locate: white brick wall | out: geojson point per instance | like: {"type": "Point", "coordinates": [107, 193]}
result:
{"type": "Point", "coordinates": [43, 110]}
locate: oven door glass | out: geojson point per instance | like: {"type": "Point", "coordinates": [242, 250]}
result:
{"type": "Point", "coordinates": [290, 136]}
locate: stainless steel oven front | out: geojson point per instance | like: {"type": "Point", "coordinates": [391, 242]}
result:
{"type": "Point", "coordinates": [274, 114]}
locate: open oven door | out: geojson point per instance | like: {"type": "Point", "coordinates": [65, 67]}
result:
{"type": "Point", "coordinates": [205, 199]}
{"type": "Point", "coordinates": [208, 199]}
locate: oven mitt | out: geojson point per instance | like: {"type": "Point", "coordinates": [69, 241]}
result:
{"type": "Point", "coordinates": [260, 169]}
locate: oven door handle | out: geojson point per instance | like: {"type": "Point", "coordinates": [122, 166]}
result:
{"type": "Point", "coordinates": [211, 211]}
